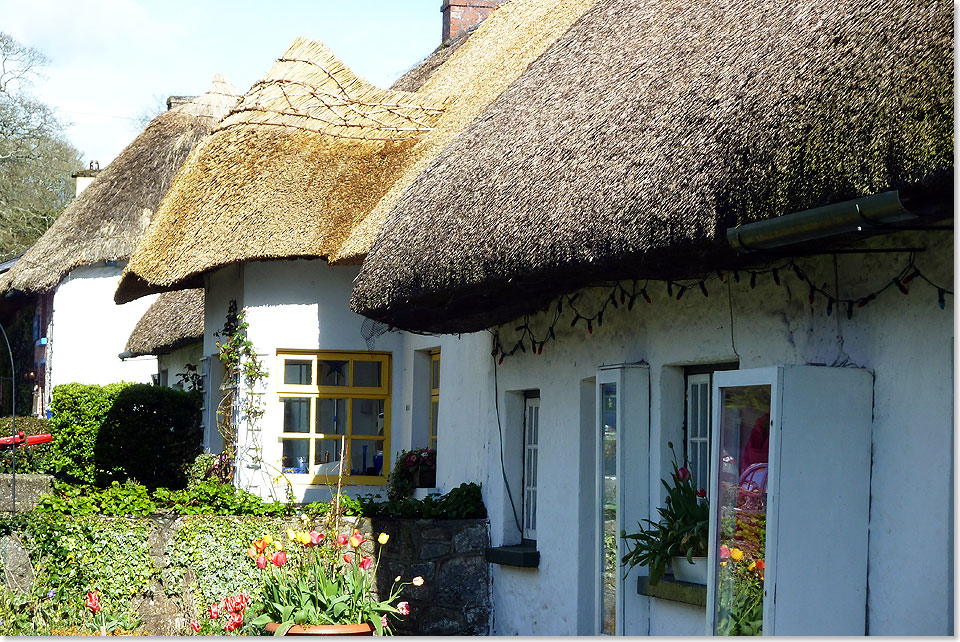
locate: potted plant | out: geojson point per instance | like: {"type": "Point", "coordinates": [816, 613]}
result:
{"type": "Point", "coordinates": [322, 586]}
{"type": "Point", "coordinates": [415, 468]}
{"type": "Point", "coordinates": [681, 536]}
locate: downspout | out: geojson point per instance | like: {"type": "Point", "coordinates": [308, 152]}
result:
{"type": "Point", "coordinates": [869, 212]}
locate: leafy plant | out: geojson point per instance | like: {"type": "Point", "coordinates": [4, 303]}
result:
{"type": "Point", "coordinates": [411, 464]}
{"type": "Point", "coordinates": [462, 502]}
{"type": "Point", "coordinates": [683, 530]}
{"type": "Point", "coordinates": [330, 581]}
{"type": "Point", "coordinates": [740, 588]}
{"type": "Point", "coordinates": [30, 459]}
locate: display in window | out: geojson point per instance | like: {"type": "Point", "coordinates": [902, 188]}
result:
{"type": "Point", "coordinates": [609, 556]}
{"type": "Point", "coordinates": [744, 454]}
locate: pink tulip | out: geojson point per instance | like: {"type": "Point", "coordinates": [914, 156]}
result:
{"type": "Point", "coordinates": [724, 551]}
{"type": "Point", "coordinates": [342, 540]}
{"type": "Point", "coordinates": [315, 537]}
{"type": "Point", "coordinates": [683, 474]}
{"type": "Point", "coordinates": [365, 563]}
{"type": "Point", "coordinates": [279, 558]}
{"type": "Point", "coordinates": [403, 608]}
{"type": "Point", "coordinates": [262, 562]}
{"type": "Point", "coordinates": [383, 621]}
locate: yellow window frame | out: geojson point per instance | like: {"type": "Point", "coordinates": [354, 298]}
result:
{"type": "Point", "coordinates": [434, 395]}
{"type": "Point", "coordinates": [348, 392]}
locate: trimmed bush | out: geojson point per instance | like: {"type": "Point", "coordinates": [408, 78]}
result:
{"type": "Point", "coordinates": [30, 459]}
{"type": "Point", "coordinates": [124, 431]}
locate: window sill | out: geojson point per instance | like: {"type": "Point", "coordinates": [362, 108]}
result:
{"type": "Point", "coordinates": [520, 555]}
{"type": "Point", "coordinates": [669, 588]}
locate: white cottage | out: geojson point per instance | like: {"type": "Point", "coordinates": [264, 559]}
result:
{"type": "Point", "coordinates": [274, 212]}
{"type": "Point", "coordinates": [723, 226]}
{"type": "Point", "coordinates": [81, 257]}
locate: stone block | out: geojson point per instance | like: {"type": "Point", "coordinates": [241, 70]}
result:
{"type": "Point", "coordinates": [438, 620]}
{"type": "Point", "coordinates": [433, 550]}
{"type": "Point", "coordinates": [17, 569]}
{"type": "Point", "coordinates": [463, 581]}
{"type": "Point", "coordinates": [472, 539]}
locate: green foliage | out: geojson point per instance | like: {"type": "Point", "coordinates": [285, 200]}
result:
{"type": "Point", "coordinates": [78, 411]}
{"type": "Point", "coordinates": [463, 502]}
{"type": "Point", "coordinates": [348, 506]}
{"type": "Point", "coordinates": [74, 555]}
{"type": "Point", "coordinates": [214, 550]}
{"type": "Point", "coordinates": [30, 459]}
{"type": "Point", "coordinates": [120, 431]}
{"type": "Point", "coordinates": [37, 614]}
{"type": "Point", "coordinates": [207, 497]}
{"type": "Point", "coordinates": [683, 530]}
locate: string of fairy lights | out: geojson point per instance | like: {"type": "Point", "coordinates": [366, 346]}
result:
{"type": "Point", "coordinates": [627, 295]}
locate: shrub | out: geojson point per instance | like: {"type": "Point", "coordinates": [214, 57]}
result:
{"type": "Point", "coordinates": [463, 502]}
{"type": "Point", "coordinates": [120, 431]}
{"type": "Point", "coordinates": [30, 459]}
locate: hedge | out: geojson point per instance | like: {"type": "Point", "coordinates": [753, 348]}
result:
{"type": "Point", "coordinates": [124, 431]}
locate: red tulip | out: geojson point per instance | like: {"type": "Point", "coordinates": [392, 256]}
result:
{"type": "Point", "coordinates": [93, 601]}
{"type": "Point", "coordinates": [701, 493]}
{"type": "Point", "coordinates": [348, 559]}
{"type": "Point", "coordinates": [262, 562]}
{"type": "Point", "coordinates": [260, 545]}
{"type": "Point", "coordinates": [279, 558]}
{"type": "Point", "coordinates": [683, 474]}
{"type": "Point", "coordinates": [195, 625]}
{"type": "Point", "coordinates": [214, 611]}
{"type": "Point", "coordinates": [365, 563]}
{"type": "Point", "coordinates": [760, 565]}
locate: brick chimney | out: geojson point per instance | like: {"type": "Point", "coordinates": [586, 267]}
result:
{"type": "Point", "coordinates": [461, 15]}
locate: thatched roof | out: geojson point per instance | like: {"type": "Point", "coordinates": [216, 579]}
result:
{"type": "Point", "coordinates": [308, 162]}
{"type": "Point", "coordinates": [105, 221]}
{"type": "Point", "coordinates": [414, 78]}
{"type": "Point", "coordinates": [649, 128]}
{"type": "Point", "coordinates": [174, 320]}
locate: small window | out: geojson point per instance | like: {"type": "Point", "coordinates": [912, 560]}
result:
{"type": "Point", "coordinates": [531, 439]}
{"type": "Point", "coordinates": [335, 408]}
{"type": "Point", "coordinates": [434, 396]}
{"type": "Point", "coordinates": [697, 416]}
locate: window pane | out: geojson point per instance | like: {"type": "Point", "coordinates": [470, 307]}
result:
{"type": "Point", "coordinates": [296, 414]}
{"type": "Point", "coordinates": [297, 372]}
{"type": "Point", "coordinates": [333, 373]}
{"type": "Point", "coordinates": [332, 416]}
{"type": "Point", "coordinates": [296, 455]}
{"type": "Point", "coordinates": [366, 457]}
{"type": "Point", "coordinates": [367, 417]}
{"type": "Point", "coordinates": [326, 456]}
{"type": "Point", "coordinates": [435, 373]}
{"type": "Point", "coordinates": [434, 411]}
{"type": "Point", "coordinates": [744, 446]}
{"type": "Point", "coordinates": [611, 561]}
{"type": "Point", "coordinates": [366, 374]}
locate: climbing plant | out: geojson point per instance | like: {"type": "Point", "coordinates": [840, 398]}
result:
{"type": "Point", "coordinates": [243, 375]}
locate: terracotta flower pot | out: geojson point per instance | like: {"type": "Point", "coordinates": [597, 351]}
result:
{"type": "Point", "coordinates": [323, 629]}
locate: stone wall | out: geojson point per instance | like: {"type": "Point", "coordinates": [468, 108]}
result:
{"type": "Point", "coordinates": [448, 554]}
{"type": "Point", "coordinates": [29, 490]}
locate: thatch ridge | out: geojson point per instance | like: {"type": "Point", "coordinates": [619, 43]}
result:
{"type": "Point", "coordinates": [105, 221]}
{"type": "Point", "coordinates": [415, 77]}
{"type": "Point", "coordinates": [647, 129]}
{"type": "Point", "coordinates": [174, 320]}
{"type": "Point", "coordinates": [301, 168]}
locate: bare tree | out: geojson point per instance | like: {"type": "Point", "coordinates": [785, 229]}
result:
{"type": "Point", "coordinates": [35, 159]}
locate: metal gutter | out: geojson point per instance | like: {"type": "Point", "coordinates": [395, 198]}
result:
{"type": "Point", "coordinates": [872, 212]}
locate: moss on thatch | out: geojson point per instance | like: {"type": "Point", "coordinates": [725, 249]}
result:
{"type": "Point", "coordinates": [647, 129]}
{"type": "Point", "coordinates": [308, 162]}
{"type": "Point", "coordinates": [174, 320]}
{"type": "Point", "coordinates": [105, 221]}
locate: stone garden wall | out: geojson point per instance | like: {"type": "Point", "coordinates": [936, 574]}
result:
{"type": "Point", "coordinates": [453, 600]}
{"type": "Point", "coordinates": [29, 490]}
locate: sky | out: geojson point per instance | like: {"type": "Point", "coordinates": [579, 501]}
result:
{"type": "Point", "coordinates": [112, 60]}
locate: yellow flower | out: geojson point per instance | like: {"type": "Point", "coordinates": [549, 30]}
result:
{"type": "Point", "coordinates": [752, 566]}
{"type": "Point", "coordinates": [724, 563]}
{"type": "Point", "coordinates": [268, 539]}
{"type": "Point", "coordinates": [291, 535]}
{"type": "Point", "coordinates": [736, 554]}
{"type": "Point", "coordinates": [277, 544]}
{"type": "Point", "coordinates": [304, 538]}
{"type": "Point", "coordinates": [383, 539]}
{"type": "Point", "coordinates": [355, 541]}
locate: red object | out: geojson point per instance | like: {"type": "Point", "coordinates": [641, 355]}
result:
{"type": "Point", "coordinates": [22, 438]}
{"type": "Point", "coordinates": [93, 601]}
{"type": "Point", "coordinates": [195, 625]}
{"type": "Point", "coordinates": [348, 559]}
{"type": "Point", "coordinates": [365, 563]}
{"type": "Point", "coordinates": [279, 558]}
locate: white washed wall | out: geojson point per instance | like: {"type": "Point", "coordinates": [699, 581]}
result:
{"type": "Point", "coordinates": [304, 304]}
{"type": "Point", "coordinates": [89, 330]}
{"type": "Point", "coordinates": [906, 340]}
{"type": "Point", "coordinates": [175, 362]}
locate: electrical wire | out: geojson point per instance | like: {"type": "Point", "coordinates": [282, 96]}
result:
{"type": "Point", "coordinates": [503, 468]}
